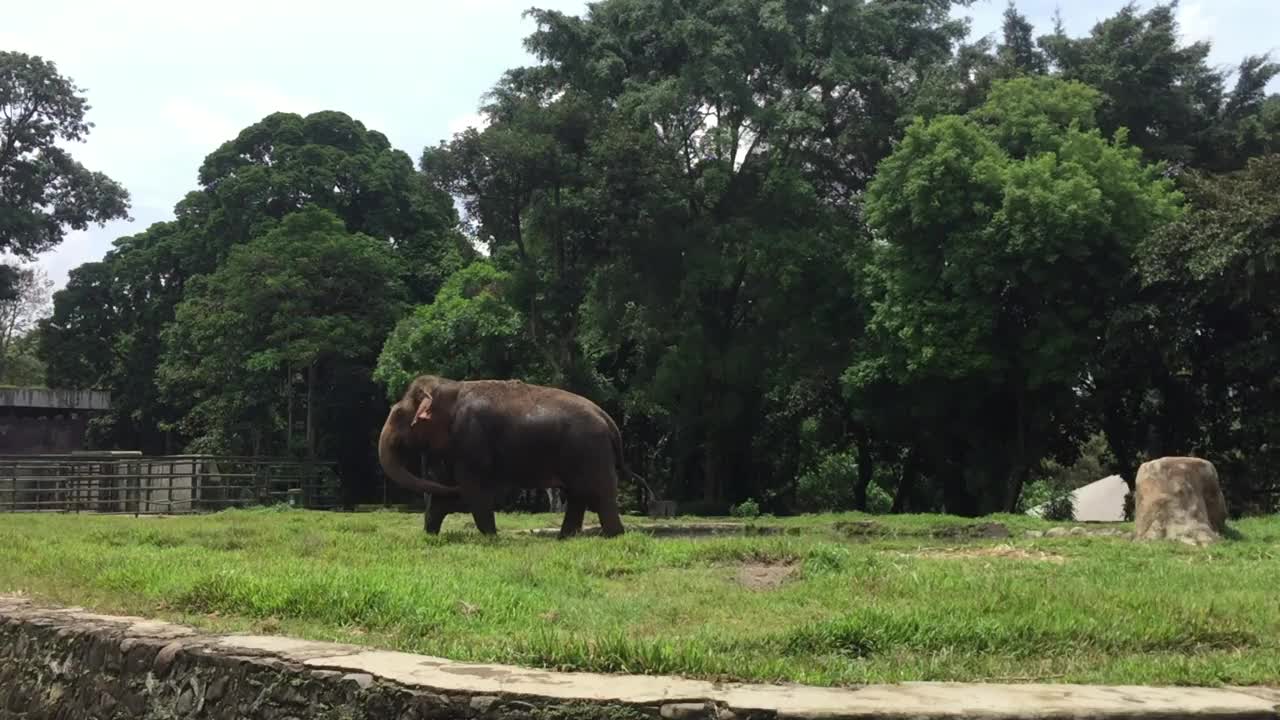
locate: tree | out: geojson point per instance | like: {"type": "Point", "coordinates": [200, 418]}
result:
{"type": "Point", "coordinates": [23, 366]}
{"type": "Point", "coordinates": [468, 331]}
{"type": "Point", "coordinates": [106, 326]}
{"type": "Point", "coordinates": [661, 183]}
{"type": "Point", "coordinates": [18, 318]}
{"type": "Point", "coordinates": [1005, 235]}
{"type": "Point", "coordinates": [1165, 94]}
{"type": "Point", "coordinates": [1210, 283]}
{"type": "Point", "coordinates": [328, 159]}
{"type": "Point", "coordinates": [43, 190]}
{"type": "Point", "coordinates": [307, 303]}
{"type": "Point", "coordinates": [1018, 53]}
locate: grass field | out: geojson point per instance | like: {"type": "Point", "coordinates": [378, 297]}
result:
{"type": "Point", "coordinates": [816, 606]}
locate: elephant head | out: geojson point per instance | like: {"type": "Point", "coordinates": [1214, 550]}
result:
{"type": "Point", "coordinates": [419, 419]}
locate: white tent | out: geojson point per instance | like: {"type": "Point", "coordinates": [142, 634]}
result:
{"type": "Point", "coordinates": [1100, 501]}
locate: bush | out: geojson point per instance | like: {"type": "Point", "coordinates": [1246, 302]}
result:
{"type": "Point", "coordinates": [829, 485]}
{"type": "Point", "coordinates": [879, 500]}
{"type": "Point", "coordinates": [748, 508]}
{"type": "Point", "coordinates": [1061, 508]}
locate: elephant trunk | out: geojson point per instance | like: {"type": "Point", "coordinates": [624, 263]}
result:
{"type": "Point", "coordinates": [396, 470]}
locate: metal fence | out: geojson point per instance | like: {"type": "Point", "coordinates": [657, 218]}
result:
{"type": "Point", "coordinates": [134, 484]}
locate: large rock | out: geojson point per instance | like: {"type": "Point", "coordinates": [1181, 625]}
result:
{"type": "Point", "coordinates": [1179, 498]}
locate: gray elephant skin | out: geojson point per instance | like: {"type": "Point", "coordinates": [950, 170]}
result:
{"type": "Point", "coordinates": [493, 436]}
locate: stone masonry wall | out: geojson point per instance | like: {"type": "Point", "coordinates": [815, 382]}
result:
{"type": "Point", "coordinates": [82, 670]}
{"type": "Point", "coordinates": [68, 664]}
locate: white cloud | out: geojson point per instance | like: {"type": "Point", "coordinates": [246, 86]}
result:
{"type": "Point", "coordinates": [199, 124]}
{"type": "Point", "coordinates": [1194, 25]}
{"type": "Point", "coordinates": [460, 123]}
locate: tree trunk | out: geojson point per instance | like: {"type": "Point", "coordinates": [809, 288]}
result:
{"type": "Point", "coordinates": [311, 437]}
{"type": "Point", "coordinates": [288, 436]}
{"type": "Point", "coordinates": [866, 469]}
{"type": "Point", "coordinates": [1021, 465]}
{"type": "Point", "coordinates": [906, 481]}
{"type": "Point", "coordinates": [711, 473]}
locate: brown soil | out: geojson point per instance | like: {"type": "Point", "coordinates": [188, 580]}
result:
{"type": "Point", "coordinates": [968, 531]}
{"type": "Point", "coordinates": [764, 576]}
{"type": "Point", "coordinates": [1000, 551]}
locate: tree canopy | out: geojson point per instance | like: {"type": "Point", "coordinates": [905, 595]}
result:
{"type": "Point", "coordinates": [44, 191]}
{"type": "Point", "coordinates": [812, 255]}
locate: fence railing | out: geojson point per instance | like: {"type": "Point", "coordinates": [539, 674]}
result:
{"type": "Point", "coordinates": [161, 484]}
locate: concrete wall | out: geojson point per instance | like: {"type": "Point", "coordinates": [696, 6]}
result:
{"type": "Point", "coordinates": [29, 434]}
{"type": "Point", "coordinates": [42, 420]}
{"type": "Point", "coordinates": [55, 399]}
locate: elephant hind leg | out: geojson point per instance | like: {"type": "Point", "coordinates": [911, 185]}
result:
{"type": "Point", "coordinates": [575, 509]}
{"type": "Point", "coordinates": [610, 518]}
{"type": "Point", "coordinates": [479, 498]}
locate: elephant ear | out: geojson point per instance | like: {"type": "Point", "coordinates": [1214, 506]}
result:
{"type": "Point", "coordinates": [423, 412]}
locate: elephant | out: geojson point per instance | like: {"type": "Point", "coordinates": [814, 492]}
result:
{"type": "Point", "coordinates": [495, 435]}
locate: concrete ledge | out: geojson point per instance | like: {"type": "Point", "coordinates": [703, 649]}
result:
{"type": "Point", "coordinates": [76, 664]}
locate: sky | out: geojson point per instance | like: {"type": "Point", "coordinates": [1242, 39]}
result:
{"type": "Point", "coordinates": [167, 82]}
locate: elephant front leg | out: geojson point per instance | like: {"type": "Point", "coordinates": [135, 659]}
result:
{"type": "Point", "coordinates": [480, 502]}
{"type": "Point", "coordinates": [438, 508]}
{"type": "Point", "coordinates": [574, 511]}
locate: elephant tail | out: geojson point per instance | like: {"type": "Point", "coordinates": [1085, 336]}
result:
{"type": "Point", "coordinates": [623, 470]}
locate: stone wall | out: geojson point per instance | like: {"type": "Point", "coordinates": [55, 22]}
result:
{"type": "Point", "coordinates": [73, 665]}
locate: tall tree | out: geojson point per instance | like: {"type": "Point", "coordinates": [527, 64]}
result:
{"type": "Point", "coordinates": [1006, 233]}
{"type": "Point", "coordinates": [667, 176]}
{"type": "Point", "coordinates": [105, 333]}
{"type": "Point", "coordinates": [470, 330]}
{"type": "Point", "coordinates": [1165, 93]}
{"type": "Point", "coordinates": [43, 190]}
{"type": "Point", "coordinates": [106, 327]}
{"type": "Point", "coordinates": [18, 316]}
{"type": "Point", "coordinates": [1212, 289]}
{"type": "Point", "coordinates": [1018, 53]}
{"type": "Point", "coordinates": [330, 160]}
{"type": "Point", "coordinates": [306, 304]}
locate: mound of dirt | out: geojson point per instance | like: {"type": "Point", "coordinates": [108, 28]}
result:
{"type": "Point", "coordinates": [765, 576]}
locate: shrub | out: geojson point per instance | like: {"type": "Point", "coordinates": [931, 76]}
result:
{"type": "Point", "coordinates": [1061, 508]}
{"type": "Point", "coordinates": [748, 508]}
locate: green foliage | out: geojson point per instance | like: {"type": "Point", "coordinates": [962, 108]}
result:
{"type": "Point", "coordinates": [1060, 508]}
{"type": "Point", "coordinates": [828, 486]}
{"type": "Point", "coordinates": [18, 317]}
{"type": "Point", "coordinates": [21, 365]}
{"type": "Point", "coordinates": [748, 508]}
{"type": "Point", "coordinates": [307, 297]}
{"type": "Point", "coordinates": [107, 324]}
{"type": "Point", "coordinates": [468, 331]}
{"type": "Point", "coordinates": [1006, 234]}
{"type": "Point", "coordinates": [1211, 283]}
{"type": "Point", "coordinates": [45, 190]}
{"type": "Point", "coordinates": [802, 252]}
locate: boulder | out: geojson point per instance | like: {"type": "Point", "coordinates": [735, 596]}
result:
{"type": "Point", "coordinates": [1179, 498]}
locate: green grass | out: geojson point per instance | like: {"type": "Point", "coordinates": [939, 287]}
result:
{"type": "Point", "coordinates": [854, 610]}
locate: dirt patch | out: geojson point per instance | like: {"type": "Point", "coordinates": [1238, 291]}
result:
{"type": "Point", "coordinates": [969, 531]}
{"type": "Point", "coordinates": [998, 551]}
{"type": "Point", "coordinates": [765, 576]}
{"type": "Point", "coordinates": [682, 530]}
